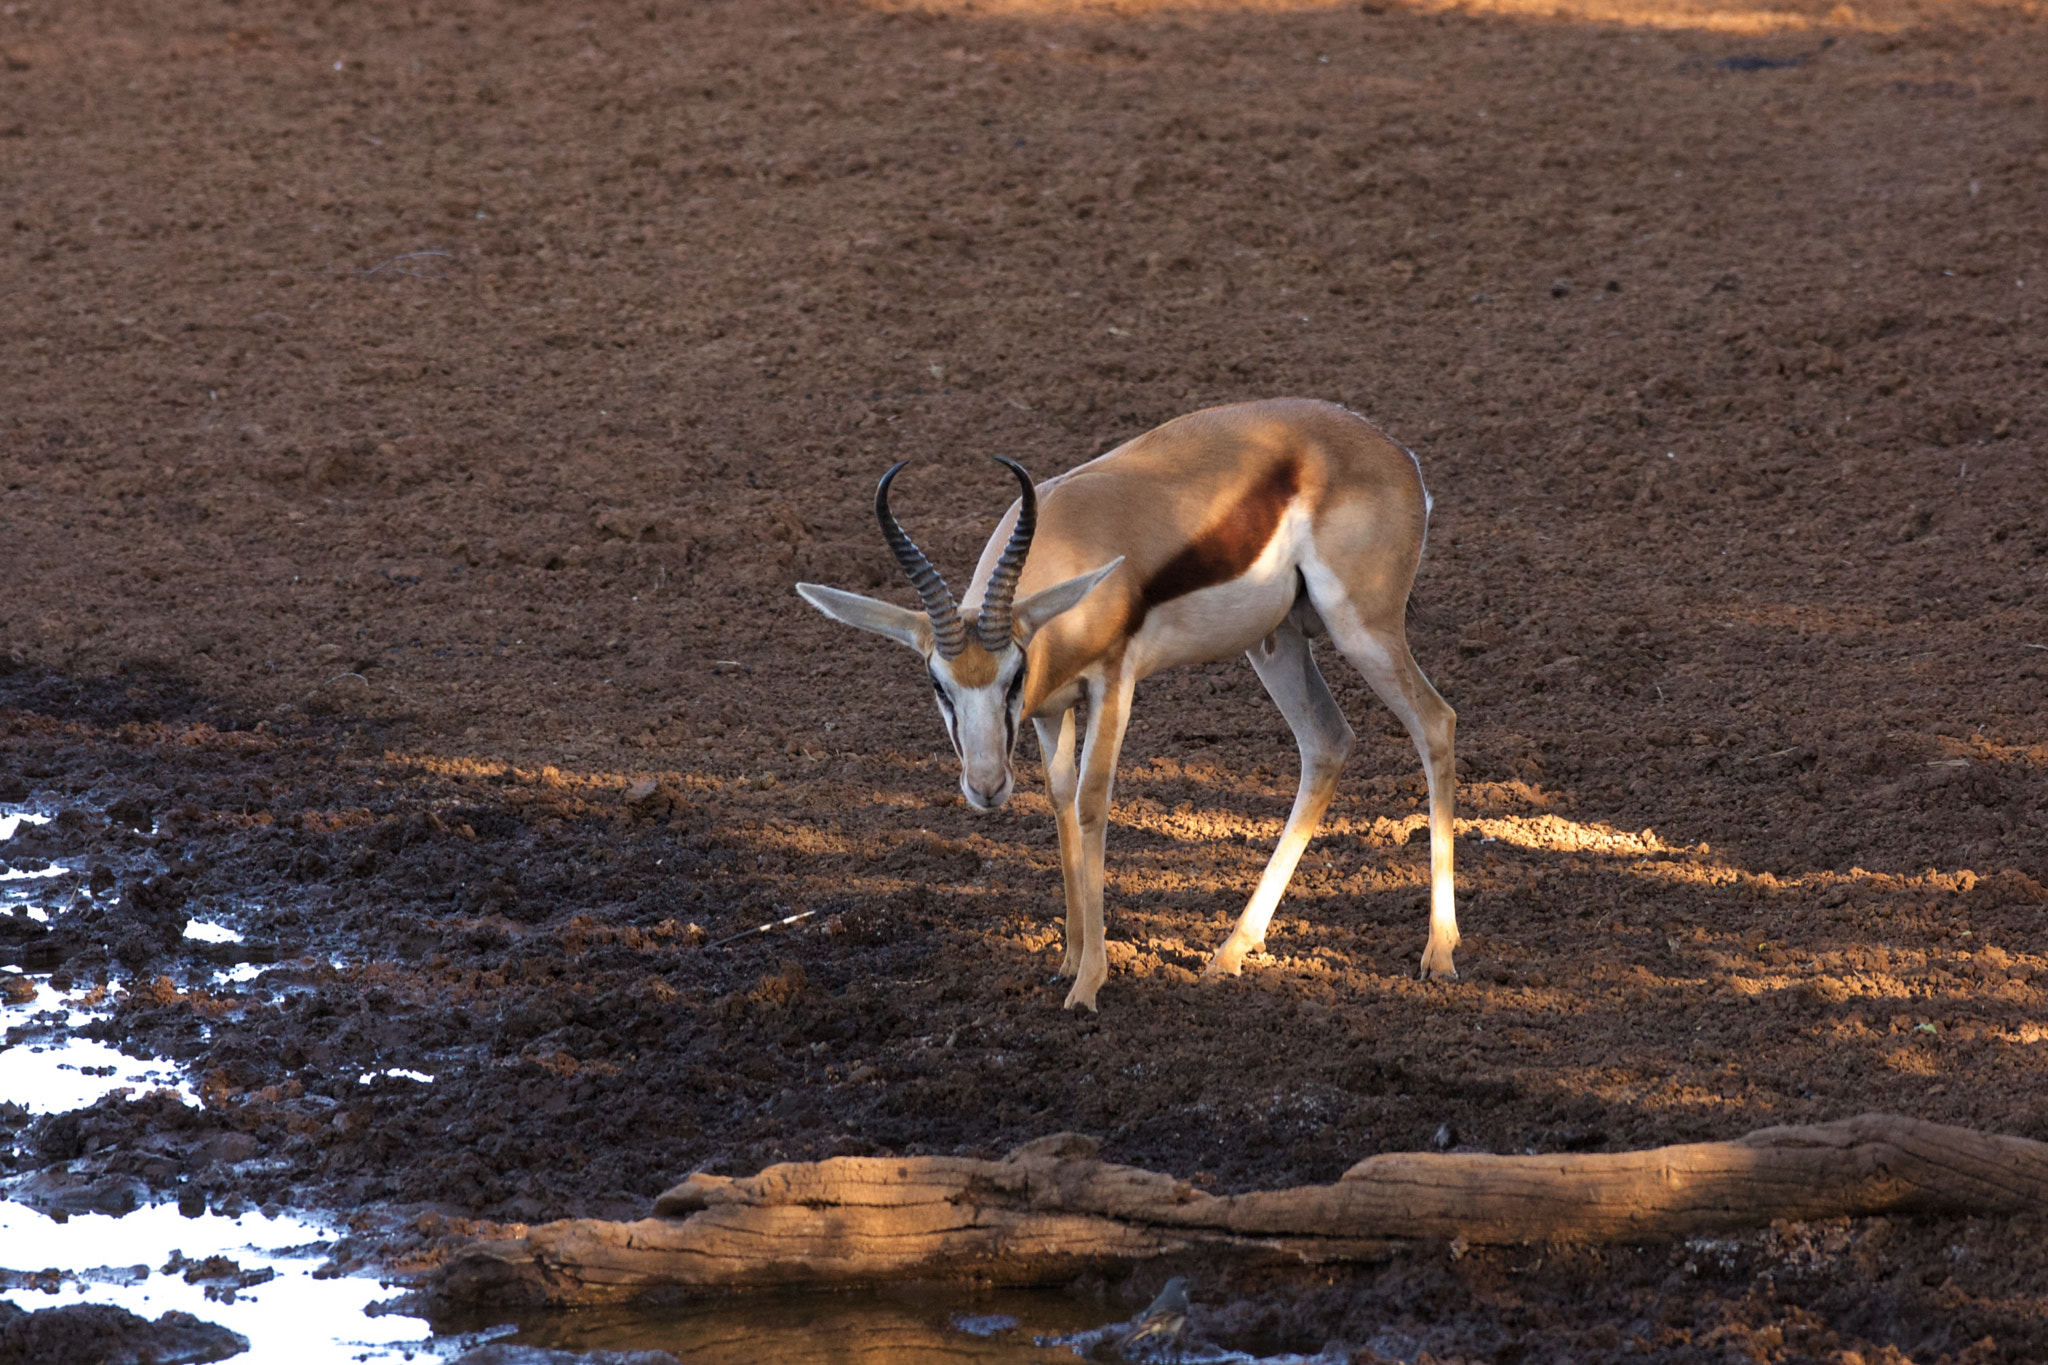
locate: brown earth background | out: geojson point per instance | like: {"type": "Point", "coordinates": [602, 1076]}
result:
{"type": "Point", "coordinates": [412, 420]}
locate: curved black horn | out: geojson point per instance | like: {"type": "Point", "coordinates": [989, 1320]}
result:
{"type": "Point", "coordinates": [947, 628]}
{"type": "Point", "coordinates": [994, 623]}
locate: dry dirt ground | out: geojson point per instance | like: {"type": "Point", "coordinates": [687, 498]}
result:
{"type": "Point", "coordinates": [413, 420]}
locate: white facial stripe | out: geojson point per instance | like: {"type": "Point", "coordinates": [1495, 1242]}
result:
{"type": "Point", "coordinates": [983, 724]}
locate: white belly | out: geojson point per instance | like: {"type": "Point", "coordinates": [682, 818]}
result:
{"type": "Point", "coordinates": [1219, 622]}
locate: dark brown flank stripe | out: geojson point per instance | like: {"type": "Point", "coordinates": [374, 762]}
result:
{"type": "Point", "coordinates": [1227, 548]}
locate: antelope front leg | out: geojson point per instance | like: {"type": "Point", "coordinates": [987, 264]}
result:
{"type": "Point", "coordinates": [1056, 744]}
{"type": "Point", "coordinates": [1108, 711]}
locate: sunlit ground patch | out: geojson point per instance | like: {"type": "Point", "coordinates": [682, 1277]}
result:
{"type": "Point", "coordinates": [1712, 16]}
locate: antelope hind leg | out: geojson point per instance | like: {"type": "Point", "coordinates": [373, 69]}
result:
{"type": "Point", "coordinates": [1287, 668]}
{"type": "Point", "coordinates": [1382, 656]}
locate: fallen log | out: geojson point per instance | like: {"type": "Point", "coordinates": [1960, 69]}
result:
{"type": "Point", "coordinates": [1051, 1210]}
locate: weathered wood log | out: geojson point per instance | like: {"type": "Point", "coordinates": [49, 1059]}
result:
{"type": "Point", "coordinates": [1051, 1210]}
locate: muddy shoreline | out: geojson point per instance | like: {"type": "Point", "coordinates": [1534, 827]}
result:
{"type": "Point", "coordinates": [350, 986]}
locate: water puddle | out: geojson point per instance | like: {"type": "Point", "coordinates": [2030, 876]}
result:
{"type": "Point", "coordinates": [31, 885]}
{"type": "Point", "coordinates": [11, 821]}
{"type": "Point", "coordinates": [396, 1073]}
{"type": "Point", "coordinates": [261, 1277]}
{"type": "Point", "coordinates": [155, 1259]}
{"type": "Point", "coordinates": [910, 1326]}
{"type": "Point", "coordinates": [46, 1068]}
{"type": "Point", "coordinates": [29, 878]}
{"type": "Point", "coordinates": [18, 883]}
{"type": "Point", "coordinates": [253, 1275]}
{"type": "Point", "coordinates": [270, 1278]}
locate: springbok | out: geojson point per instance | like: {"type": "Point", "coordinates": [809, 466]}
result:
{"type": "Point", "coordinates": [1243, 528]}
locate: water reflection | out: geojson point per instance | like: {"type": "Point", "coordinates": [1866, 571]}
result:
{"type": "Point", "coordinates": [905, 1326]}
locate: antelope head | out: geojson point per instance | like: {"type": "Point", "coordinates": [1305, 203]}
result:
{"type": "Point", "coordinates": [979, 675]}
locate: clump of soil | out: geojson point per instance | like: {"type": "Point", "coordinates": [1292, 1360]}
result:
{"type": "Point", "coordinates": [110, 1336]}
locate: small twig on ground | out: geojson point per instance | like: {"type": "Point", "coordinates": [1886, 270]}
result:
{"type": "Point", "coordinates": [2031, 645]}
{"type": "Point", "coordinates": [764, 928]}
{"type": "Point", "coordinates": [394, 266]}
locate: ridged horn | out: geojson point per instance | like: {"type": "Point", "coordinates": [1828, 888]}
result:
{"type": "Point", "coordinates": [994, 623]}
{"type": "Point", "coordinates": [948, 630]}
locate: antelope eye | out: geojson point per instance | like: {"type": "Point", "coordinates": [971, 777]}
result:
{"type": "Point", "coordinates": [939, 688]}
{"type": "Point", "coordinates": [1016, 686]}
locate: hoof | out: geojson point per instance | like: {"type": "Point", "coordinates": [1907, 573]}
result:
{"type": "Point", "coordinates": [1225, 964]}
{"type": "Point", "coordinates": [1078, 997]}
{"type": "Point", "coordinates": [1438, 971]}
{"type": "Point", "coordinates": [1229, 959]}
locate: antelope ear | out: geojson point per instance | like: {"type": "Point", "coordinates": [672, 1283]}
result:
{"type": "Point", "coordinates": [1042, 606]}
{"type": "Point", "coordinates": [900, 624]}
